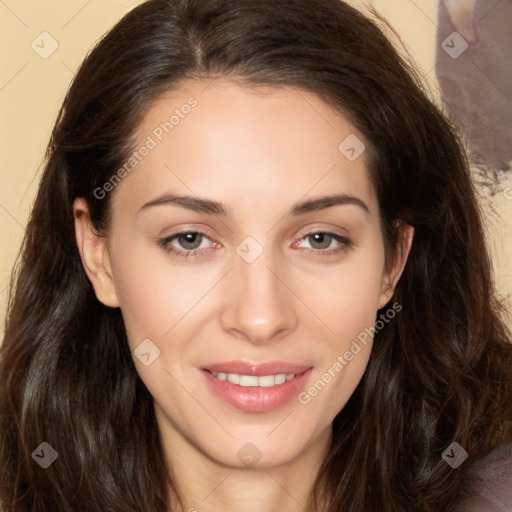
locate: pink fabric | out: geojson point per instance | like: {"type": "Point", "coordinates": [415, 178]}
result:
{"type": "Point", "coordinates": [488, 486]}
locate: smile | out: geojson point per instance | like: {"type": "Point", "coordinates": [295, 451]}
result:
{"type": "Point", "coordinates": [264, 381]}
{"type": "Point", "coordinates": [252, 387]}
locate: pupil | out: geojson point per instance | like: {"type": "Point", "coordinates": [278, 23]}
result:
{"type": "Point", "coordinates": [189, 240]}
{"type": "Point", "coordinates": [321, 239]}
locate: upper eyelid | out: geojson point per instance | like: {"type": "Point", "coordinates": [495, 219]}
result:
{"type": "Point", "coordinates": [185, 232]}
{"type": "Point", "coordinates": [340, 239]}
{"type": "Point", "coordinates": [313, 227]}
{"type": "Point", "coordinates": [168, 239]}
{"type": "Point", "coordinates": [331, 231]}
{"type": "Point", "coordinates": [198, 231]}
{"type": "Point", "coordinates": [172, 237]}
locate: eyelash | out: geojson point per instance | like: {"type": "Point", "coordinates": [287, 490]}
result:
{"type": "Point", "coordinates": [165, 244]}
{"type": "Point", "coordinates": [344, 244]}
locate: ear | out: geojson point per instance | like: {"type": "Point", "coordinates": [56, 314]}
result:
{"type": "Point", "coordinates": [395, 268]}
{"type": "Point", "coordinates": [94, 254]}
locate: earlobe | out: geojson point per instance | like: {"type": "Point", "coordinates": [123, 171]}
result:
{"type": "Point", "coordinates": [395, 270]}
{"type": "Point", "coordinates": [94, 254]}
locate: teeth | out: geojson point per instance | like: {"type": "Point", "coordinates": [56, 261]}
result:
{"type": "Point", "coordinates": [280, 378]}
{"type": "Point", "coordinates": [248, 380]}
{"type": "Point", "coordinates": [233, 378]}
{"type": "Point", "coordinates": [265, 381]}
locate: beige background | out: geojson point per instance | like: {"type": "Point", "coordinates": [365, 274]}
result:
{"type": "Point", "coordinates": [32, 89]}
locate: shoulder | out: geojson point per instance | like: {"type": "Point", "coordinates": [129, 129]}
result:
{"type": "Point", "coordinates": [487, 486]}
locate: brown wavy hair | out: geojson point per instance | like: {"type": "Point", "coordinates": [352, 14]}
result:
{"type": "Point", "coordinates": [440, 372]}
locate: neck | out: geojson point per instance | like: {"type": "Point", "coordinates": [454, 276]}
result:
{"type": "Point", "coordinates": [207, 485]}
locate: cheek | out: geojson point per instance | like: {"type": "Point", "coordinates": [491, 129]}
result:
{"type": "Point", "coordinates": [346, 299]}
{"type": "Point", "coordinates": [155, 294]}
{"type": "Point", "coordinates": [346, 296]}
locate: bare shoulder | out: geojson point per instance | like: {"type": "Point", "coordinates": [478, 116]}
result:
{"type": "Point", "coordinates": [488, 484]}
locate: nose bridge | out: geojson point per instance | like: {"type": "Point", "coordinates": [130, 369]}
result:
{"type": "Point", "coordinates": [258, 306]}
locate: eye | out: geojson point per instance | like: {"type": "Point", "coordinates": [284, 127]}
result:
{"type": "Point", "coordinates": [320, 240]}
{"type": "Point", "coordinates": [190, 241]}
{"type": "Point", "coordinates": [323, 243]}
{"type": "Point", "coordinates": [186, 243]}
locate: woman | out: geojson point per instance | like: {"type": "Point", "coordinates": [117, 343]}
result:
{"type": "Point", "coordinates": [254, 278]}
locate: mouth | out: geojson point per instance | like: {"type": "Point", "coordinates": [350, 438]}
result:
{"type": "Point", "coordinates": [265, 381]}
{"type": "Point", "coordinates": [259, 387]}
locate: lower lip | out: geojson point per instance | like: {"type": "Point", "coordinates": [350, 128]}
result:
{"type": "Point", "coordinates": [253, 398]}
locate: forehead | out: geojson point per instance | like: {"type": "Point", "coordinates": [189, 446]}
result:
{"type": "Point", "coordinates": [232, 143]}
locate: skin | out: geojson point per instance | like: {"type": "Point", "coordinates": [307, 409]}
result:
{"type": "Point", "coordinates": [258, 153]}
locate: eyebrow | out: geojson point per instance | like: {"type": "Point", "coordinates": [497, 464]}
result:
{"type": "Point", "coordinates": [210, 207]}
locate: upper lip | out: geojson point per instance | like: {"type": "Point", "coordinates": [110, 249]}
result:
{"type": "Point", "coordinates": [257, 369]}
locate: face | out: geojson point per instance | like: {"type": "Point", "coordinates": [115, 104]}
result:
{"type": "Point", "coordinates": [246, 255]}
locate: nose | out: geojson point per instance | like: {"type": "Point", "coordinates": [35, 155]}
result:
{"type": "Point", "coordinates": [257, 305]}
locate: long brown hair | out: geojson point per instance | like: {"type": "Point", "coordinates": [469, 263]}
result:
{"type": "Point", "coordinates": [439, 372]}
